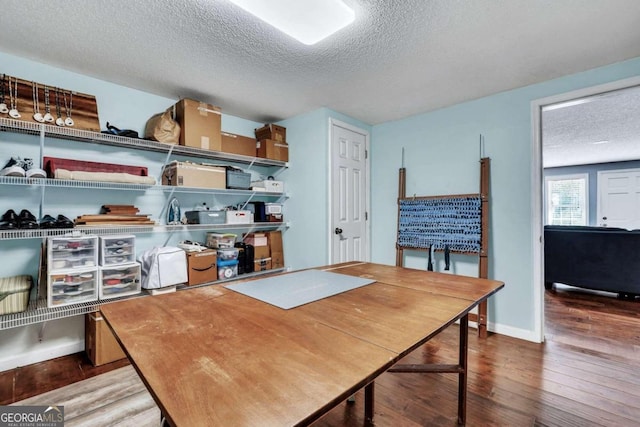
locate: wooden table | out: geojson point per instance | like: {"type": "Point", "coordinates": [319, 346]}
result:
{"type": "Point", "coordinates": [211, 356]}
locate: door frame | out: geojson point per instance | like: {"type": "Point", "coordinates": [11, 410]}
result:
{"type": "Point", "coordinates": [335, 122]}
{"type": "Point", "coordinates": [537, 186]}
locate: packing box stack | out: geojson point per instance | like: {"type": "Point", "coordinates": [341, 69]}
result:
{"type": "Point", "coordinates": [200, 124]}
{"type": "Point", "coordinates": [272, 142]}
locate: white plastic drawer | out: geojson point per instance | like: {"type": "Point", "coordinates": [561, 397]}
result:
{"type": "Point", "coordinates": [72, 287]}
{"type": "Point", "coordinates": [65, 253]}
{"type": "Point", "coordinates": [117, 250]}
{"type": "Point", "coordinates": [120, 281]}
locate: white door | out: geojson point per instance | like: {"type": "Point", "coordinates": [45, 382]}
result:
{"type": "Point", "coordinates": [619, 198]}
{"type": "Point", "coordinates": [349, 193]}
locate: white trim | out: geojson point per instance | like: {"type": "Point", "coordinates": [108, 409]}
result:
{"type": "Point", "coordinates": [510, 331]}
{"type": "Point", "coordinates": [36, 356]}
{"type": "Point", "coordinates": [536, 188]}
{"type": "Point", "coordinates": [335, 122]}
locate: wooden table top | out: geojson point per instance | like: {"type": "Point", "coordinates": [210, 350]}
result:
{"type": "Point", "coordinates": [211, 356]}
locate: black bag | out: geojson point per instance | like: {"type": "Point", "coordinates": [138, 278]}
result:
{"type": "Point", "coordinates": [246, 257]}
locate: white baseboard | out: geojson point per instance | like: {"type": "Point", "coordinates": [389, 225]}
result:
{"type": "Point", "coordinates": [523, 334]}
{"type": "Point", "coordinates": [36, 356]}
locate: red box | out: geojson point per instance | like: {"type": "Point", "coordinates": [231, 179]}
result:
{"type": "Point", "coordinates": [53, 163]}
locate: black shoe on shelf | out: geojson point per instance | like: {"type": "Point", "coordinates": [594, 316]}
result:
{"type": "Point", "coordinates": [14, 167]}
{"type": "Point", "coordinates": [26, 220]}
{"type": "Point", "coordinates": [48, 221]}
{"type": "Point", "coordinates": [9, 220]}
{"type": "Point", "coordinates": [63, 222]}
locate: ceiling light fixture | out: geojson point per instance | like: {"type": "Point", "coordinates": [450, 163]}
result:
{"type": "Point", "coordinates": [307, 21]}
{"type": "Point", "coordinates": [604, 141]}
{"type": "Point", "coordinates": [566, 104]}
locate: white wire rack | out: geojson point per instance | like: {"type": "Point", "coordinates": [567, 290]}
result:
{"type": "Point", "coordinates": [64, 183]}
{"type": "Point", "coordinates": [38, 312]}
{"type": "Point", "coordinates": [110, 230]}
{"type": "Point", "coordinates": [18, 126]}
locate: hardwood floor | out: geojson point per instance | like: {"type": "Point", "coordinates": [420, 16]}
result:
{"type": "Point", "coordinates": [587, 373]}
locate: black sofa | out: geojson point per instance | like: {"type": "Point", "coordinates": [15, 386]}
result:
{"type": "Point", "coordinates": [602, 258]}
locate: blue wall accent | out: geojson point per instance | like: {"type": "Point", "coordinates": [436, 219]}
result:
{"type": "Point", "coordinates": [442, 153]}
{"type": "Point", "coordinates": [307, 180]}
{"type": "Point", "coordinates": [592, 171]}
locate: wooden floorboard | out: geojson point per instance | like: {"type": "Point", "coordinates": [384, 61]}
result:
{"type": "Point", "coordinates": [587, 373]}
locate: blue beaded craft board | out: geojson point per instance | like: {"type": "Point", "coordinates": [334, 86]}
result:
{"type": "Point", "coordinates": [453, 221]}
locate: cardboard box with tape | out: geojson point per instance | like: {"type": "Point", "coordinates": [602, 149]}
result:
{"type": "Point", "coordinates": [274, 150]}
{"type": "Point", "coordinates": [238, 144]}
{"type": "Point", "coordinates": [200, 124]}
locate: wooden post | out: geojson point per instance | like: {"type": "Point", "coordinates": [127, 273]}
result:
{"type": "Point", "coordinates": [402, 192]}
{"type": "Point", "coordinates": [483, 263]}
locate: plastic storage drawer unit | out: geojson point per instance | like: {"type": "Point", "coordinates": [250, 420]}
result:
{"type": "Point", "coordinates": [65, 253]}
{"type": "Point", "coordinates": [117, 250]}
{"type": "Point", "coordinates": [120, 281]}
{"type": "Point", "coordinates": [72, 287]}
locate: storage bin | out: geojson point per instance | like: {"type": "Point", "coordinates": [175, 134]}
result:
{"type": "Point", "coordinates": [117, 250]}
{"type": "Point", "coordinates": [228, 254]}
{"type": "Point", "coordinates": [218, 240]}
{"type": "Point", "coordinates": [120, 281]}
{"type": "Point", "coordinates": [15, 290]}
{"type": "Point", "coordinates": [72, 252]}
{"type": "Point", "coordinates": [238, 180]}
{"type": "Point", "coordinates": [72, 286]}
{"type": "Point", "coordinates": [206, 217]}
{"type": "Point", "coordinates": [227, 269]}
{"type": "Point", "coordinates": [239, 217]}
{"type": "Point", "coordinates": [269, 185]}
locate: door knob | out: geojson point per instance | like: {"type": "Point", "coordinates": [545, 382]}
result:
{"type": "Point", "coordinates": [604, 218]}
{"type": "Point", "coordinates": [338, 230]}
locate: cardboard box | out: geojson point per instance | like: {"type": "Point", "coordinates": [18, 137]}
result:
{"type": "Point", "coordinates": [186, 174]}
{"type": "Point", "coordinates": [238, 144]}
{"type": "Point", "coordinates": [261, 252]}
{"type": "Point", "coordinates": [274, 240]}
{"type": "Point", "coordinates": [277, 259]}
{"type": "Point", "coordinates": [274, 150]}
{"type": "Point", "coordinates": [271, 131]}
{"type": "Point", "coordinates": [202, 267]}
{"type": "Point", "coordinates": [200, 124]}
{"type": "Point", "coordinates": [100, 343]}
{"type": "Point", "coordinates": [256, 239]}
{"type": "Point", "coordinates": [262, 264]}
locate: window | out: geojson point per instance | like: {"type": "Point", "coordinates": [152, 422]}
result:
{"type": "Point", "coordinates": [566, 200]}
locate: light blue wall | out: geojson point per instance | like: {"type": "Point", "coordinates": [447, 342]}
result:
{"type": "Point", "coordinates": [307, 180]}
{"type": "Point", "coordinates": [592, 172]}
{"type": "Point", "coordinates": [442, 153]}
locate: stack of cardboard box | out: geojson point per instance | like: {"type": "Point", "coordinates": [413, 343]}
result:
{"type": "Point", "coordinates": [272, 142]}
{"type": "Point", "coordinates": [268, 250]}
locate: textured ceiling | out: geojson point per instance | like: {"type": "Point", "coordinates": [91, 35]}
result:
{"type": "Point", "coordinates": [605, 128]}
{"type": "Point", "coordinates": [399, 58]}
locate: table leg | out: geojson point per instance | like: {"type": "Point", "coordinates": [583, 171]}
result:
{"type": "Point", "coordinates": [368, 402]}
{"type": "Point", "coordinates": [462, 375]}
